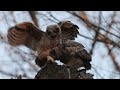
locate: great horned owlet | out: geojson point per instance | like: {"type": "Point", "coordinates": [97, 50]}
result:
{"type": "Point", "coordinates": [28, 34]}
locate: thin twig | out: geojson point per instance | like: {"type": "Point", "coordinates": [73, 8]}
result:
{"type": "Point", "coordinates": [34, 18]}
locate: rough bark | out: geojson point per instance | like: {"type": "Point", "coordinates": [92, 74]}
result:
{"type": "Point", "coordinates": [54, 71]}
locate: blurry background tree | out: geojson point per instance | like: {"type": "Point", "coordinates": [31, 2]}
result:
{"type": "Point", "coordinates": [99, 33]}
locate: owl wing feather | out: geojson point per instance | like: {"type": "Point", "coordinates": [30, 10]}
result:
{"type": "Point", "coordinates": [24, 33]}
{"type": "Point", "coordinates": [74, 50]}
{"type": "Point", "coordinates": [69, 30]}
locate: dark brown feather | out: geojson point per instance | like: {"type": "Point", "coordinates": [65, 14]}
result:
{"type": "Point", "coordinates": [72, 53]}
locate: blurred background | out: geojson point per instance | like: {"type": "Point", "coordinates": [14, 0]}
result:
{"type": "Point", "coordinates": [99, 33]}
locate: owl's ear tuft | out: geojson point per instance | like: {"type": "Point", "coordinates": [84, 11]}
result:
{"type": "Point", "coordinates": [60, 23]}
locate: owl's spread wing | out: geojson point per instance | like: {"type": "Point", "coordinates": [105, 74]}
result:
{"type": "Point", "coordinates": [69, 30]}
{"type": "Point", "coordinates": [24, 34]}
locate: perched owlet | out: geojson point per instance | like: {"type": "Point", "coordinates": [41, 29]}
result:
{"type": "Point", "coordinates": [72, 54]}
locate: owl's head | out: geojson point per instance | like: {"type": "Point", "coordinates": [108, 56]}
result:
{"type": "Point", "coordinates": [59, 52]}
{"type": "Point", "coordinates": [67, 25]}
{"type": "Point", "coordinates": [55, 53]}
{"type": "Point", "coordinates": [53, 31]}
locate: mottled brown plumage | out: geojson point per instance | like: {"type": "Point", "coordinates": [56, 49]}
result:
{"type": "Point", "coordinates": [72, 54]}
{"type": "Point", "coordinates": [32, 37]}
{"type": "Point", "coordinates": [69, 30]}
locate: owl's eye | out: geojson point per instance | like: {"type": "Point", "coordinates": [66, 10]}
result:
{"type": "Point", "coordinates": [68, 21]}
{"type": "Point", "coordinates": [59, 23]}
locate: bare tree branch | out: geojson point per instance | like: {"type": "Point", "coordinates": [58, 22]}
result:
{"type": "Point", "coordinates": [34, 18]}
{"type": "Point", "coordinates": [95, 29]}
{"type": "Point", "coordinates": [96, 35]}
{"type": "Point", "coordinates": [91, 25]}
{"type": "Point", "coordinates": [112, 55]}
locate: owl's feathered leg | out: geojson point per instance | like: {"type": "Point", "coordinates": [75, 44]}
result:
{"type": "Point", "coordinates": [49, 58]}
{"type": "Point", "coordinates": [41, 63]}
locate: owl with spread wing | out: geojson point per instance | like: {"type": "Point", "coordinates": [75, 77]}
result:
{"type": "Point", "coordinates": [31, 36]}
